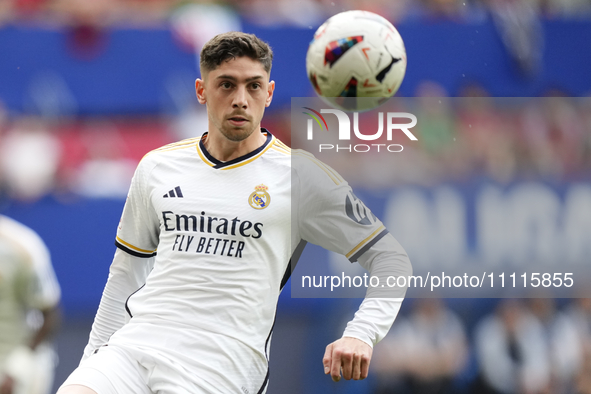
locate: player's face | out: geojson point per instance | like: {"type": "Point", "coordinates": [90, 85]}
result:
{"type": "Point", "coordinates": [236, 94]}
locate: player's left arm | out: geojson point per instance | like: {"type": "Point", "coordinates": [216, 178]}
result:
{"type": "Point", "coordinates": [330, 215]}
{"type": "Point", "coordinates": [352, 353]}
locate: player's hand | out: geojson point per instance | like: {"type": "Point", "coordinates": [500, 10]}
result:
{"type": "Point", "coordinates": [349, 355]}
{"type": "Point", "coordinates": [7, 385]}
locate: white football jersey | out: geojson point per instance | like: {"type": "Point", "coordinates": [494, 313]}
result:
{"type": "Point", "coordinates": [223, 234]}
{"type": "Point", "coordinates": [27, 281]}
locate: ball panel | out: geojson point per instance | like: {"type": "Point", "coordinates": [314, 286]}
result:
{"type": "Point", "coordinates": [336, 49]}
{"type": "Point", "coordinates": [357, 46]}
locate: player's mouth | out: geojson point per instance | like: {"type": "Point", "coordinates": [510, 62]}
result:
{"type": "Point", "coordinates": [238, 120]}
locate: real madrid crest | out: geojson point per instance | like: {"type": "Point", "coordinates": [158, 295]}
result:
{"type": "Point", "coordinates": [260, 198]}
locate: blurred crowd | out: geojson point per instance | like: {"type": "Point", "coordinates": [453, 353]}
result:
{"type": "Point", "coordinates": [506, 138]}
{"type": "Point", "coordinates": [501, 139]}
{"type": "Point", "coordinates": [73, 158]}
{"type": "Point", "coordinates": [459, 139]}
{"type": "Point", "coordinates": [280, 12]}
{"type": "Point", "coordinates": [524, 346]}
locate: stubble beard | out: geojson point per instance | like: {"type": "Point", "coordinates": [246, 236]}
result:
{"type": "Point", "coordinates": [237, 134]}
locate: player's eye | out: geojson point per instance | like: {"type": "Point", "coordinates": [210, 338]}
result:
{"type": "Point", "coordinates": [226, 85]}
{"type": "Point", "coordinates": [255, 86]}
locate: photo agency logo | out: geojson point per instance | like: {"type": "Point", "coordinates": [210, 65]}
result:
{"type": "Point", "coordinates": [391, 122]}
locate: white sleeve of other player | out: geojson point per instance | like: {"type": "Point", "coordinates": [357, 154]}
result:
{"type": "Point", "coordinates": [46, 291]}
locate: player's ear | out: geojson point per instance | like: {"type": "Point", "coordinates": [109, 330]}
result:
{"type": "Point", "coordinates": [200, 90]}
{"type": "Point", "coordinates": [270, 90]}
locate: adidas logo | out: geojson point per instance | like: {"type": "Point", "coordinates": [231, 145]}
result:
{"type": "Point", "coordinates": [176, 192]}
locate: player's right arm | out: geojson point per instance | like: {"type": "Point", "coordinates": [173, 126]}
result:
{"type": "Point", "coordinates": [126, 275]}
{"type": "Point", "coordinates": [137, 239]}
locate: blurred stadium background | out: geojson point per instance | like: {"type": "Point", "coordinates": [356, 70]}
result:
{"type": "Point", "coordinates": [88, 87]}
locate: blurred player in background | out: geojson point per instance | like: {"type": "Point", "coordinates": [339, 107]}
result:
{"type": "Point", "coordinates": [425, 353]}
{"type": "Point", "coordinates": [205, 245]}
{"type": "Point", "coordinates": [29, 311]}
{"type": "Point", "coordinates": [512, 351]}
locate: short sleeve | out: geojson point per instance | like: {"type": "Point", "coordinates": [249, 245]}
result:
{"type": "Point", "coordinates": [139, 226]}
{"type": "Point", "coordinates": [329, 214]}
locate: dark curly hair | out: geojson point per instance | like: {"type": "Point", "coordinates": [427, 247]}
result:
{"type": "Point", "coordinates": [227, 46]}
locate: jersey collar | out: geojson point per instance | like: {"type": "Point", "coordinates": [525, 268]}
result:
{"type": "Point", "coordinates": [239, 161]}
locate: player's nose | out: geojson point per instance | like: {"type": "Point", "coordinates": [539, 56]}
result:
{"type": "Point", "coordinates": [240, 98]}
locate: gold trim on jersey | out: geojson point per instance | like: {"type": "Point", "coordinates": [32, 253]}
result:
{"type": "Point", "coordinates": [336, 178]}
{"type": "Point", "coordinates": [134, 247]}
{"type": "Point", "coordinates": [174, 146]}
{"type": "Point", "coordinates": [281, 144]}
{"type": "Point", "coordinates": [281, 149]}
{"type": "Point", "coordinates": [182, 143]}
{"type": "Point", "coordinates": [250, 159]}
{"type": "Point", "coordinates": [202, 156]}
{"type": "Point", "coordinates": [366, 240]}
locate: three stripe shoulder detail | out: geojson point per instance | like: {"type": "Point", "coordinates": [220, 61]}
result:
{"type": "Point", "coordinates": [281, 147]}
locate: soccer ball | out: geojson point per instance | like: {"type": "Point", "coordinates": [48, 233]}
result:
{"type": "Point", "coordinates": [356, 54]}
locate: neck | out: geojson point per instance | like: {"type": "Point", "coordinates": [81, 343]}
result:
{"type": "Point", "coordinates": [224, 149]}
